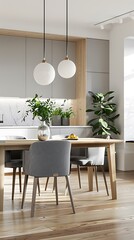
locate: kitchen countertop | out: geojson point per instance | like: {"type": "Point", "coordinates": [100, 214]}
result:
{"type": "Point", "coordinates": [34, 127]}
{"type": "Point", "coordinates": [30, 132]}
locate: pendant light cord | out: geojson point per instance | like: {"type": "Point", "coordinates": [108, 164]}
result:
{"type": "Point", "coordinates": [66, 28]}
{"type": "Point", "coordinates": [44, 31]}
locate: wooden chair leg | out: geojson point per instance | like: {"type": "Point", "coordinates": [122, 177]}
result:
{"type": "Point", "coordinates": [70, 194]}
{"type": "Point", "coordinates": [24, 190]}
{"type": "Point", "coordinates": [105, 181]}
{"type": "Point", "coordinates": [53, 186]}
{"type": "Point", "coordinates": [56, 189]}
{"type": "Point", "coordinates": [20, 179]}
{"type": "Point", "coordinates": [38, 185]}
{"type": "Point", "coordinates": [13, 182]}
{"type": "Point", "coordinates": [79, 178]}
{"type": "Point", "coordinates": [96, 178]}
{"type": "Point", "coordinates": [78, 171]}
{"type": "Point", "coordinates": [34, 196]}
{"type": "Point", "coordinates": [46, 183]}
{"type": "Point", "coordinates": [66, 188]}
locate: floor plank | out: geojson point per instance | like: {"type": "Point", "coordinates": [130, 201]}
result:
{"type": "Point", "coordinates": [97, 216]}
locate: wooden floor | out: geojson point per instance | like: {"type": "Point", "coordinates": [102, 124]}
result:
{"type": "Point", "coordinates": [97, 216]}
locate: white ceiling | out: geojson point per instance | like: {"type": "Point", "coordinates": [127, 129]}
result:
{"type": "Point", "coordinates": [83, 14]}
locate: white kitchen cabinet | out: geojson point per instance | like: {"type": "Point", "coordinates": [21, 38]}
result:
{"type": "Point", "coordinates": [34, 56]}
{"type": "Point", "coordinates": [63, 88]}
{"type": "Point", "coordinates": [12, 66]}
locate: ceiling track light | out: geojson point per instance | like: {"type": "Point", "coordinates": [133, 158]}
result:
{"type": "Point", "coordinates": [101, 26]}
{"type": "Point", "coordinates": [44, 72]}
{"type": "Point", "coordinates": [66, 67]}
{"type": "Point", "coordinates": [118, 18]}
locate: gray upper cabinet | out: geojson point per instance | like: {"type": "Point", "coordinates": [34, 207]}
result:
{"type": "Point", "coordinates": [97, 66]}
{"type": "Point", "coordinates": [97, 55]}
{"type": "Point", "coordinates": [34, 56]}
{"type": "Point", "coordinates": [12, 66]}
{"type": "Point", "coordinates": [62, 88]}
{"type": "Point", "coordinates": [18, 58]}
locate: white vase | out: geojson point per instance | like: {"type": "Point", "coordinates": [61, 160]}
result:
{"type": "Point", "coordinates": [43, 131]}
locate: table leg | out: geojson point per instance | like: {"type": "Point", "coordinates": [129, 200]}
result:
{"type": "Point", "coordinates": [2, 158]}
{"type": "Point", "coordinates": [112, 169]}
{"type": "Point", "coordinates": [90, 178]}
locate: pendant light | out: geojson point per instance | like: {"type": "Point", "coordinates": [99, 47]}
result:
{"type": "Point", "coordinates": [66, 68]}
{"type": "Point", "coordinates": [44, 72]}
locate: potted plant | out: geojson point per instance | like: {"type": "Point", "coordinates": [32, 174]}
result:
{"type": "Point", "coordinates": [66, 115]}
{"type": "Point", "coordinates": [56, 116]}
{"type": "Point", "coordinates": [104, 114]}
{"type": "Point", "coordinates": [43, 111]}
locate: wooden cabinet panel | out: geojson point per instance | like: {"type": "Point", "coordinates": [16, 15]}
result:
{"type": "Point", "coordinates": [12, 66]}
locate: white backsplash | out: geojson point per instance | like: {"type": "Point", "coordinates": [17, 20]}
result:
{"type": "Point", "coordinates": [9, 112]}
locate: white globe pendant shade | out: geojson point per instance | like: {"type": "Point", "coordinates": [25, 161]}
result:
{"type": "Point", "coordinates": [66, 68]}
{"type": "Point", "coordinates": [44, 73]}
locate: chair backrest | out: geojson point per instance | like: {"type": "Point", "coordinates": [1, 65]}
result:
{"type": "Point", "coordinates": [48, 158]}
{"type": "Point", "coordinates": [79, 152]}
{"type": "Point", "coordinates": [96, 155]}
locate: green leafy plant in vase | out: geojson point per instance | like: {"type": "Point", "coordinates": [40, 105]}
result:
{"type": "Point", "coordinates": [66, 115]}
{"type": "Point", "coordinates": [104, 114]}
{"type": "Point", "coordinates": [43, 111]}
{"type": "Point", "coordinates": [56, 116]}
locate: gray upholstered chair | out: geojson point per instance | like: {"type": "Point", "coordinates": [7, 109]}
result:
{"type": "Point", "coordinates": [13, 159]}
{"type": "Point", "coordinates": [94, 158]}
{"type": "Point", "coordinates": [47, 159]}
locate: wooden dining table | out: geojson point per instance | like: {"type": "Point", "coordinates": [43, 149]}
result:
{"type": "Point", "coordinates": [24, 144]}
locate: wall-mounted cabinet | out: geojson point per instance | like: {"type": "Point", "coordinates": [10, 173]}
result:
{"type": "Point", "coordinates": [34, 55]}
{"type": "Point", "coordinates": [97, 66]}
{"type": "Point", "coordinates": [97, 55]}
{"type": "Point", "coordinates": [18, 58]}
{"type": "Point", "coordinates": [63, 88]}
{"type": "Point", "coordinates": [12, 66]}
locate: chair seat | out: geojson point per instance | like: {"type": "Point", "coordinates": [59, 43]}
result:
{"type": "Point", "coordinates": [81, 162]}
